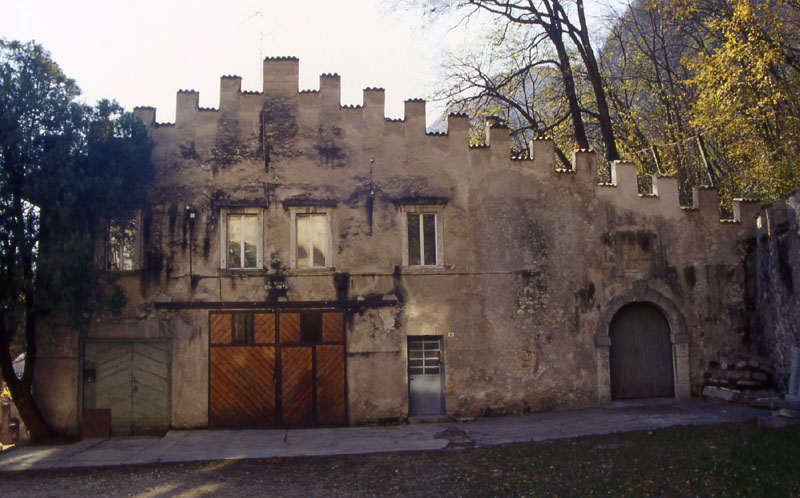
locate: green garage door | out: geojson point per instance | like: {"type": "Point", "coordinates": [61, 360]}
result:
{"type": "Point", "coordinates": [131, 378]}
{"type": "Point", "coordinates": [641, 353]}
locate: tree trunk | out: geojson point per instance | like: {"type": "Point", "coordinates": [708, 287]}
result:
{"type": "Point", "coordinates": [30, 414]}
{"type": "Point", "coordinates": [596, 80]}
{"type": "Point", "coordinates": [564, 66]}
{"type": "Point", "coordinates": [21, 388]}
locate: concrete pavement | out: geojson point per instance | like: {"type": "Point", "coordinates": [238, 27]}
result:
{"type": "Point", "coordinates": [205, 445]}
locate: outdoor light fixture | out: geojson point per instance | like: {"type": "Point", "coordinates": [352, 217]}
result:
{"type": "Point", "coordinates": [277, 282]}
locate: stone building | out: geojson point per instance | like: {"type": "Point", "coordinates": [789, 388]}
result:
{"type": "Point", "coordinates": [302, 263]}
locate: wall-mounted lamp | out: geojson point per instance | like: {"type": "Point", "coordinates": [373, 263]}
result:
{"type": "Point", "coordinates": [277, 283]}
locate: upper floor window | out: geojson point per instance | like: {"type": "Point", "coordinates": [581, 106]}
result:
{"type": "Point", "coordinates": [241, 238]}
{"type": "Point", "coordinates": [311, 238]}
{"type": "Point", "coordinates": [121, 246]}
{"type": "Point", "coordinates": [423, 236]}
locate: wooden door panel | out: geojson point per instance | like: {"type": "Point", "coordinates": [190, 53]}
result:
{"type": "Point", "coordinates": [330, 385]}
{"type": "Point", "coordinates": [289, 327]}
{"type": "Point", "coordinates": [264, 328]}
{"type": "Point", "coordinates": [244, 380]}
{"type": "Point", "coordinates": [131, 379]}
{"type": "Point", "coordinates": [641, 353]}
{"type": "Point", "coordinates": [220, 328]}
{"type": "Point", "coordinates": [150, 376]}
{"type": "Point", "coordinates": [296, 385]}
{"type": "Point", "coordinates": [332, 327]}
{"type": "Point", "coordinates": [242, 386]}
{"type": "Point", "coordinates": [113, 363]}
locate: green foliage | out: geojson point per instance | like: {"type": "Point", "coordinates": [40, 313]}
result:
{"type": "Point", "coordinates": [65, 168]}
{"type": "Point", "coordinates": [80, 186]}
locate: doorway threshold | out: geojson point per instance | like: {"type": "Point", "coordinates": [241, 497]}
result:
{"type": "Point", "coordinates": [427, 419]}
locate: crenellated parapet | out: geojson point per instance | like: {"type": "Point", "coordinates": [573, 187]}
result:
{"type": "Point", "coordinates": [281, 84]}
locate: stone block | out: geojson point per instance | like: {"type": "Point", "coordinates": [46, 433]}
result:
{"type": "Point", "coordinates": [721, 393]}
{"type": "Point", "coordinates": [788, 413]}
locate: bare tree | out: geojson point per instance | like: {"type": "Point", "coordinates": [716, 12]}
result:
{"type": "Point", "coordinates": [556, 22]}
{"type": "Point", "coordinates": [515, 80]}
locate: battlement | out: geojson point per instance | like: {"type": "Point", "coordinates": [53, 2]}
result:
{"type": "Point", "coordinates": [281, 81]}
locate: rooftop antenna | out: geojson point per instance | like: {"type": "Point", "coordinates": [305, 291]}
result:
{"type": "Point", "coordinates": [260, 15]}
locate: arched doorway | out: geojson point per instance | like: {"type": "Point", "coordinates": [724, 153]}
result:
{"type": "Point", "coordinates": [641, 353]}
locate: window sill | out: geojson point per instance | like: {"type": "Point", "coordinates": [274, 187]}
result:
{"type": "Point", "coordinates": [426, 269]}
{"type": "Point", "coordinates": [327, 270]}
{"type": "Point", "coordinates": [242, 271]}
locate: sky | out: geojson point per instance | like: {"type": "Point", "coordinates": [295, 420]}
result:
{"type": "Point", "coordinates": [142, 52]}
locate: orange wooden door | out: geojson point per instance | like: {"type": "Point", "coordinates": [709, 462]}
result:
{"type": "Point", "coordinates": [297, 386]}
{"type": "Point", "coordinates": [330, 385]}
{"type": "Point", "coordinates": [276, 369]}
{"type": "Point", "coordinates": [242, 386]}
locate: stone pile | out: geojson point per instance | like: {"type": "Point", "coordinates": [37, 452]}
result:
{"type": "Point", "coordinates": [741, 378]}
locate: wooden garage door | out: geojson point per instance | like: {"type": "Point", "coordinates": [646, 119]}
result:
{"type": "Point", "coordinates": [131, 378]}
{"type": "Point", "coordinates": [641, 353]}
{"type": "Point", "coordinates": [276, 369]}
{"type": "Point", "coordinates": [241, 370]}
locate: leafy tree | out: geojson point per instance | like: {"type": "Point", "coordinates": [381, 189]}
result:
{"type": "Point", "coordinates": [748, 92]}
{"type": "Point", "coordinates": [65, 168]}
{"type": "Point", "coordinates": [650, 97]}
{"type": "Point", "coordinates": [708, 90]}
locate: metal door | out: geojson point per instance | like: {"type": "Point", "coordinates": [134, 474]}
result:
{"type": "Point", "coordinates": [131, 378]}
{"type": "Point", "coordinates": [425, 376]}
{"type": "Point", "coordinates": [641, 353]}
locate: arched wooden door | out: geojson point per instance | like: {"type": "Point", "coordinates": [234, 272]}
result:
{"type": "Point", "coordinates": [641, 353]}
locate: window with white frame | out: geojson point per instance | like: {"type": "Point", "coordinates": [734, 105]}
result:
{"type": "Point", "coordinates": [311, 238]}
{"type": "Point", "coordinates": [423, 236]}
{"type": "Point", "coordinates": [241, 239]}
{"type": "Point", "coordinates": [121, 245]}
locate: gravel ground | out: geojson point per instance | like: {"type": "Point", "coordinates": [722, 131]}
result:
{"type": "Point", "coordinates": [722, 460]}
{"type": "Point", "coordinates": [360, 475]}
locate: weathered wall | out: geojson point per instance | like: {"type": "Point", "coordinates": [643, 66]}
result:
{"type": "Point", "coordinates": [776, 263]}
{"type": "Point", "coordinates": [536, 261]}
{"type": "Point", "coordinates": [55, 382]}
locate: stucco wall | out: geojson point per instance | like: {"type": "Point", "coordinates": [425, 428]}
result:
{"type": "Point", "coordinates": [535, 260]}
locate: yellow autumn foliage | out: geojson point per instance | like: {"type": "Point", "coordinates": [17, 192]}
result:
{"type": "Point", "coordinates": [748, 97]}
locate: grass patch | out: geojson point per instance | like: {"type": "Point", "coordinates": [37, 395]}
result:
{"type": "Point", "coordinates": [723, 460]}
